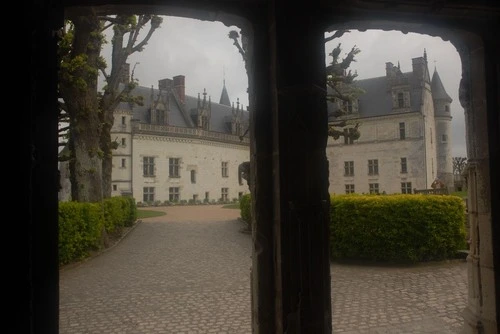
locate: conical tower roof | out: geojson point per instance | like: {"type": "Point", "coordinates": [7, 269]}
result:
{"type": "Point", "coordinates": [224, 96]}
{"type": "Point", "coordinates": [438, 91]}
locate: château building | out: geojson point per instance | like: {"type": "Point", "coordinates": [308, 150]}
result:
{"type": "Point", "coordinates": [179, 148]}
{"type": "Point", "coordinates": [405, 124]}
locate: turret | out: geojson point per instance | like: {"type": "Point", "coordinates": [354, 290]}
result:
{"type": "Point", "coordinates": [442, 115]}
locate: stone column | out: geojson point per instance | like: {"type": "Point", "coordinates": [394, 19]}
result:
{"type": "Point", "coordinates": [480, 313]}
{"type": "Point", "coordinates": [291, 268]}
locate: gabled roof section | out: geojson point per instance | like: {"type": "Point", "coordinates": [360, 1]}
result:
{"type": "Point", "coordinates": [437, 88]}
{"type": "Point", "coordinates": [224, 97]}
{"type": "Point", "coordinates": [177, 112]}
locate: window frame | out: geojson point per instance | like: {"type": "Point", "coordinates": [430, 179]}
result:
{"type": "Point", "coordinates": [148, 166]}
{"type": "Point", "coordinates": [372, 167]}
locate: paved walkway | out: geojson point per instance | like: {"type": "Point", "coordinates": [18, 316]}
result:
{"type": "Point", "coordinates": [188, 272]}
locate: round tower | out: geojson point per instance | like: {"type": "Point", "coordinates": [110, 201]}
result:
{"type": "Point", "coordinates": [442, 115]}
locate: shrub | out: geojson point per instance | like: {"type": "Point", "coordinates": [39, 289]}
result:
{"type": "Point", "coordinates": [245, 208]}
{"type": "Point", "coordinates": [396, 228]}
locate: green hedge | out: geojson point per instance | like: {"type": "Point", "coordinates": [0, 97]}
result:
{"type": "Point", "coordinates": [245, 208]}
{"type": "Point", "coordinates": [83, 226]}
{"type": "Point", "coordinates": [397, 228]}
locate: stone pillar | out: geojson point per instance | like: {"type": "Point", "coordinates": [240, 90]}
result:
{"type": "Point", "coordinates": [480, 313]}
{"type": "Point", "coordinates": [299, 188]}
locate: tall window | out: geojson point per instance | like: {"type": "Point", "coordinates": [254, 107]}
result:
{"type": "Point", "coordinates": [349, 188]}
{"type": "Point", "coordinates": [123, 120]}
{"type": "Point", "coordinates": [373, 167]}
{"type": "Point", "coordinates": [348, 168]}
{"type": "Point", "coordinates": [404, 167]}
{"type": "Point", "coordinates": [193, 176]}
{"type": "Point", "coordinates": [148, 194]}
{"type": "Point", "coordinates": [173, 167]}
{"type": "Point", "coordinates": [373, 188]}
{"type": "Point", "coordinates": [444, 138]}
{"type": "Point", "coordinates": [148, 166]}
{"type": "Point", "coordinates": [224, 169]}
{"type": "Point", "coordinates": [347, 106]}
{"type": "Point", "coordinates": [207, 196]}
{"type": "Point", "coordinates": [402, 131]}
{"type": "Point", "coordinates": [406, 187]}
{"type": "Point", "coordinates": [123, 163]}
{"type": "Point", "coordinates": [124, 141]}
{"type": "Point", "coordinates": [401, 100]}
{"type": "Point", "coordinates": [173, 194]}
{"type": "Point", "coordinates": [224, 193]}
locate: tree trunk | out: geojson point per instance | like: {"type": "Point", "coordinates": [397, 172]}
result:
{"type": "Point", "coordinates": [78, 88]}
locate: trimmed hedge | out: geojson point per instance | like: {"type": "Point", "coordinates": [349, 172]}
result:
{"type": "Point", "coordinates": [396, 228]}
{"type": "Point", "coordinates": [83, 226]}
{"type": "Point", "coordinates": [245, 208]}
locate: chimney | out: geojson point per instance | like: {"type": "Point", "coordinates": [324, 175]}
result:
{"type": "Point", "coordinates": [165, 85]}
{"type": "Point", "coordinates": [418, 65]}
{"type": "Point", "coordinates": [389, 69]}
{"type": "Point", "coordinates": [180, 88]}
{"type": "Point", "coordinates": [125, 75]}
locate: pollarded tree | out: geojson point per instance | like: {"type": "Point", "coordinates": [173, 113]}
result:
{"type": "Point", "coordinates": [342, 91]}
{"type": "Point", "coordinates": [79, 52]}
{"type": "Point", "coordinates": [342, 94]}
{"type": "Point", "coordinates": [91, 114]}
{"type": "Point", "coordinates": [125, 41]}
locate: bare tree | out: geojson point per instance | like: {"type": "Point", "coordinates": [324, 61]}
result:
{"type": "Point", "coordinates": [125, 41]}
{"type": "Point", "coordinates": [342, 93]}
{"type": "Point", "coordinates": [89, 114]}
{"type": "Point", "coordinates": [459, 164]}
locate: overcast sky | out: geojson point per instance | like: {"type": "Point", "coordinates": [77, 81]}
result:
{"type": "Point", "coordinates": [204, 54]}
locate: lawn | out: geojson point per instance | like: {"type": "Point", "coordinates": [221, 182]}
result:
{"type": "Point", "coordinates": [148, 213]}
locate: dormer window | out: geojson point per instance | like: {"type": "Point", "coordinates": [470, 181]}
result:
{"type": "Point", "coordinates": [401, 100]}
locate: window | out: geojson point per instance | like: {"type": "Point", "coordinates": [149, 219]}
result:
{"type": "Point", "coordinates": [401, 100]}
{"type": "Point", "coordinates": [430, 131]}
{"type": "Point", "coordinates": [207, 196]}
{"type": "Point", "coordinates": [123, 120]}
{"type": "Point", "coordinates": [173, 167]}
{"type": "Point", "coordinates": [348, 168]}
{"type": "Point", "coordinates": [123, 163]}
{"type": "Point", "coordinates": [148, 194]}
{"type": "Point", "coordinates": [444, 138]}
{"type": "Point", "coordinates": [224, 169]}
{"type": "Point", "coordinates": [224, 194]}
{"type": "Point", "coordinates": [373, 167]}
{"type": "Point", "coordinates": [348, 136]}
{"type": "Point", "coordinates": [373, 188]}
{"type": "Point", "coordinates": [402, 131]}
{"type": "Point", "coordinates": [193, 176]}
{"type": "Point", "coordinates": [123, 141]}
{"type": "Point", "coordinates": [349, 188]}
{"type": "Point", "coordinates": [347, 106]}
{"type": "Point", "coordinates": [240, 195]}
{"type": "Point", "coordinates": [404, 167]}
{"type": "Point", "coordinates": [115, 187]}
{"type": "Point", "coordinates": [406, 187]}
{"type": "Point", "coordinates": [173, 194]}
{"type": "Point", "coordinates": [148, 166]}
{"type": "Point", "coordinates": [195, 198]}
{"type": "Point", "coordinates": [447, 108]}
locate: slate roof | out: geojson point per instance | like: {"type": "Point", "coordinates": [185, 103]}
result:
{"type": "Point", "coordinates": [438, 91]}
{"type": "Point", "coordinates": [377, 100]}
{"type": "Point", "coordinates": [220, 113]}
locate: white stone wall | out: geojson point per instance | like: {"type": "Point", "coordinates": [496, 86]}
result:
{"type": "Point", "coordinates": [203, 156]}
{"type": "Point", "coordinates": [430, 137]}
{"type": "Point", "coordinates": [380, 139]}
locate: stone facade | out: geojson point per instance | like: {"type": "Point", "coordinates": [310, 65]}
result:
{"type": "Point", "coordinates": [405, 127]}
{"type": "Point", "coordinates": [178, 148]}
